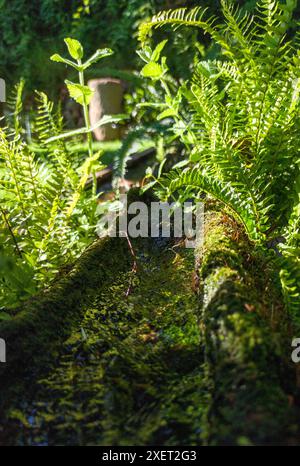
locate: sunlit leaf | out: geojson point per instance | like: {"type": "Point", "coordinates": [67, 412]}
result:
{"type": "Point", "coordinates": [98, 55]}
{"type": "Point", "coordinates": [58, 58]}
{"type": "Point", "coordinates": [170, 112]}
{"type": "Point", "coordinates": [106, 119]}
{"type": "Point", "coordinates": [74, 47]}
{"type": "Point", "coordinates": [81, 94]}
{"type": "Point", "coordinates": [157, 51]}
{"type": "Point", "coordinates": [152, 70]}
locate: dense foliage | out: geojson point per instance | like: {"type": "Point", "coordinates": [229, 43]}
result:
{"type": "Point", "coordinates": [47, 216]}
{"type": "Point", "coordinates": [32, 30]}
{"type": "Point", "coordinates": [239, 118]}
{"type": "Point", "coordinates": [235, 114]}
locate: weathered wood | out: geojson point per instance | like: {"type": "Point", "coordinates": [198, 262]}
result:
{"type": "Point", "coordinates": [106, 100]}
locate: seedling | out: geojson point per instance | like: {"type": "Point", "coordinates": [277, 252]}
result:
{"type": "Point", "coordinates": [82, 94]}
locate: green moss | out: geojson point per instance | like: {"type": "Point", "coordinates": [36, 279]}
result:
{"type": "Point", "coordinates": [131, 371]}
{"type": "Point", "coordinates": [34, 336]}
{"type": "Point", "coordinates": [161, 365]}
{"type": "Point", "coordinates": [244, 356]}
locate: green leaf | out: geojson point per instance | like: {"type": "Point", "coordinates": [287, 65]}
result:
{"type": "Point", "coordinates": [74, 47]}
{"type": "Point", "coordinates": [170, 112]}
{"type": "Point", "coordinates": [105, 120]}
{"type": "Point", "coordinates": [148, 186]}
{"type": "Point", "coordinates": [157, 51]}
{"type": "Point", "coordinates": [145, 54]}
{"type": "Point", "coordinates": [161, 166]}
{"type": "Point", "coordinates": [181, 164]}
{"type": "Point", "coordinates": [152, 70]}
{"type": "Point", "coordinates": [98, 55]}
{"type": "Point", "coordinates": [151, 105]}
{"type": "Point", "coordinates": [58, 58]}
{"type": "Point", "coordinates": [207, 69]}
{"type": "Point", "coordinates": [149, 172]}
{"type": "Point", "coordinates": [81, 94]}
{"type": "Point", "coordinates": [108, 119]}
{"type": "Point", "coordinates": [5, 316]}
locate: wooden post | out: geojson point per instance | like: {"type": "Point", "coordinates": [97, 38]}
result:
{"type": "Point", "coordinates": [107, 100]}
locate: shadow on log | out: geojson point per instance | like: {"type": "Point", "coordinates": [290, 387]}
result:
{"type": "Point", "coordinates": [33, 337]}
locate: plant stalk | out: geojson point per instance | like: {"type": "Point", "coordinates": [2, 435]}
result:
{"type": "Point", "coordinates": [89, 134]}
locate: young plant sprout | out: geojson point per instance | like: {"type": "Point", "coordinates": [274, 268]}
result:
{"type": "Point", "coordinates": [82, 94]}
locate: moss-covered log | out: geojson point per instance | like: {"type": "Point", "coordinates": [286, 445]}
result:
{"type": "Point", "coordinates": [247, 342]}
{"type": "Point", "coordinates": [34, 336]}
{"type": "Point", "coordinates": [131, 372]}
{"type": "Point", "coordinates": [156, 365]}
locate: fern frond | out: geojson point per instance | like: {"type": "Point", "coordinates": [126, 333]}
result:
{"type": "Point", "coordinates": [196, 179]}
{"type": "Point", "coordinates": [15, 107]}
{"type": "Point", "coordinates": [290, 262]}
{"type": "Point", "coordinates": [177, 18]}
{"type": "Point", "coordinates": [242, 29]}
{"type": "Point", "coordinates": [123, 154]}
{"type": "Point", "coordinates": [47, 122]}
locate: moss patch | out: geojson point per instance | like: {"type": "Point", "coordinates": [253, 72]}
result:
{"type": "Point", "coordinates": [161, 366]}
{"type": "Point", "coordinates": [131, 372]}
{"type": "Point", "coordinates": [246, 340]}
